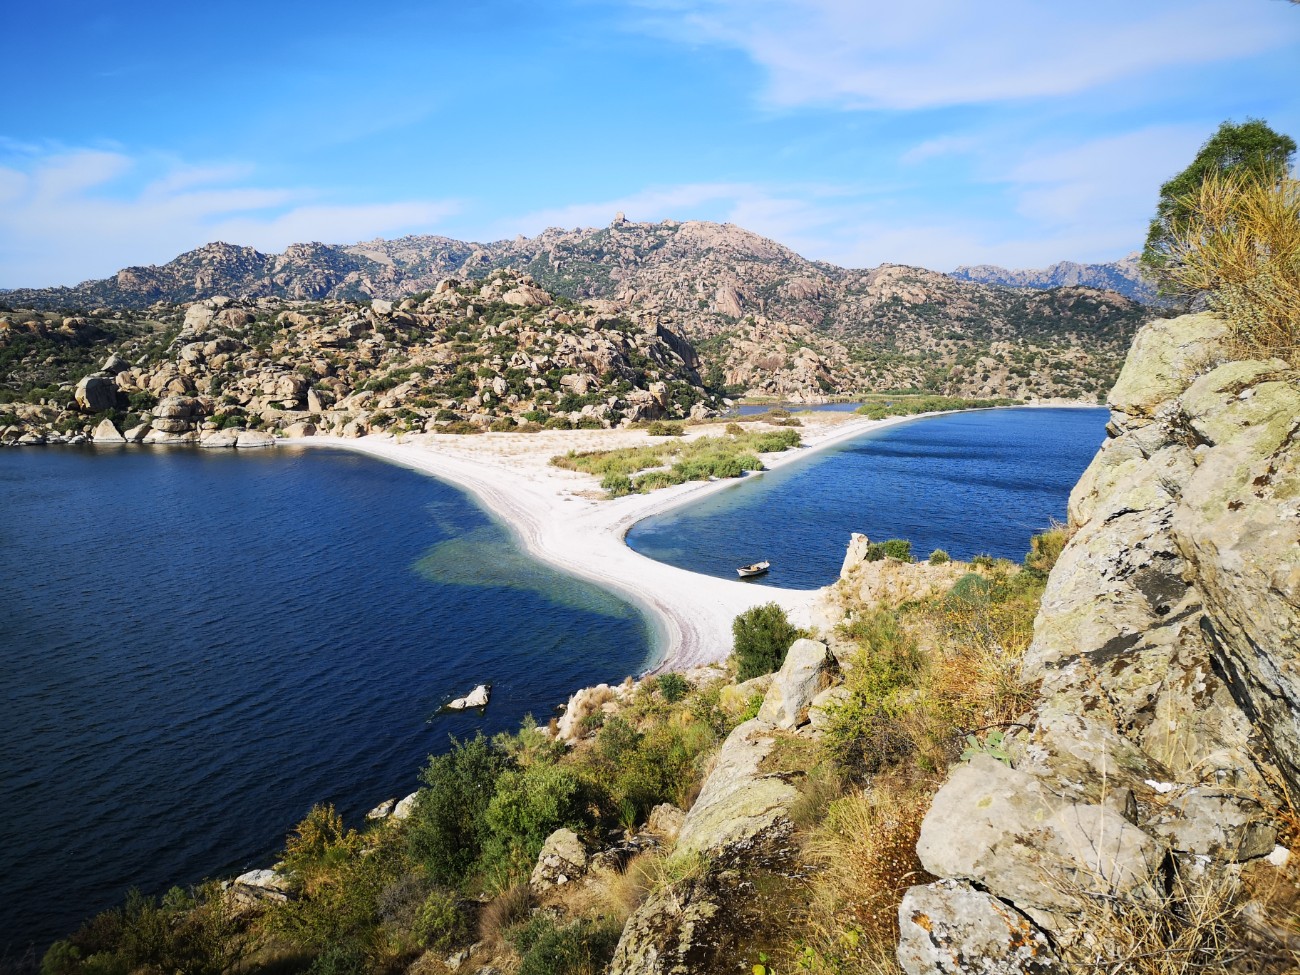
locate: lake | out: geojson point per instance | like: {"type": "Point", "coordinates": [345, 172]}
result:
{"type": "Point", "coordinates": [979, 482]}
{"type": "Point", "coordinates": [199, 645]}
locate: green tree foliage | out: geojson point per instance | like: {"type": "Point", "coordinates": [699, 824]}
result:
{"type": "Point", "coordinates": [528, 805]}
{"type": "Point", "coordinates": [448, 826]}
{"type": "Point", "coordinates": [1249, 148]}
{"type": "Point", "coordinates": [673, 687]}
{"type": "Point", "coordinates": [762, 636]}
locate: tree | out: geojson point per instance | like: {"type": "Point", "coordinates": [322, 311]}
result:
{"type": "Point", "coordinates": [762, 637]}
{"type": "Point", "coordinates": [447, 827]}
{"type": "Point", "coordinates": [1250, 148]}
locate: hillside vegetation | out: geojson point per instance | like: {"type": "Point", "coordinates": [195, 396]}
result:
{"type": "Point", "coordinates": [473, 867]}
{"type": "Point", "coordinates": [499, 354]}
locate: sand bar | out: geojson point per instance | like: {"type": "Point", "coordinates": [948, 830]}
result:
{"type": "Point", "coordinates": [562, 518]}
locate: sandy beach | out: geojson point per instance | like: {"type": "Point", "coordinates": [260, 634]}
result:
{"type": "Point", "coordinates": [562, 518]}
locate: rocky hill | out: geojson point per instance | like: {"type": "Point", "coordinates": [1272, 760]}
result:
{"type": "Point", "coordinates": [1147, 807]}
{"type": "Point", "coordinates": [1123, 276]}
{"type": "Point", "coordinates": [765, 320]}
{"type": "Point", "coordinates": [499, 353]}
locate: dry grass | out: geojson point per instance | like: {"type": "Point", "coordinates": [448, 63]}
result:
{"type": "Point", "coordinates": [1242, 248]}
{"type": "Point", "coordinates": [865, 856]}
{"type": "Point", "coordinates": [1198, 927]}
{"type": "Point", "coordinates": [508, 908]}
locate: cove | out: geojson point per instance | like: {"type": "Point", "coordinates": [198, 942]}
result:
{"type": "Point", "coordinates": [197, 646]}
{"type": "Point", "coordinates": [977, 482]}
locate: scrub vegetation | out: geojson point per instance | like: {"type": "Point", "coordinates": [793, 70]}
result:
{"type": "Point", "coordinates": [911, 404]}
{"type": "Point", "coordinates": [639, 470]}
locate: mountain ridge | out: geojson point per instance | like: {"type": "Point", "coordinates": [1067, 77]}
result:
{"type": "Point", "coordinates": [1123, 276]}
{"type": "Point", "coordinates": [766, 320]}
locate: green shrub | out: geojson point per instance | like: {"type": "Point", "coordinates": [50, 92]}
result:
{"type": "Point", "coordinates": [616, 484]}
{"type": "Point", "coordinates": [440, 923]}
{"type": "Point", "coordinates": [864, 732]}
{"type": "Point", "coordinates": [762, 636]}
{"type": "Point", "coordinates": [972, 589]}
{"type": "Point", "coordinates": [581, 948]}
{"type": "Point", "coordinates": [447, 827]}
{"type": "Point", "coordinates": [530, 804]}
{"type": "Point", "coordinates": [939, 557]}
{"type": "Point", "coordinates": [898, 549]}
{"type": "Point", "coordinates": [659, 428]}
{"type": "Point", "coordinates": [1044, 550]}
{"type": "Point", "coordinates": [673, 687]}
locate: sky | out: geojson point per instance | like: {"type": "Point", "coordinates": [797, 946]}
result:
{"type": "Point", "coordinates": [932, 132]}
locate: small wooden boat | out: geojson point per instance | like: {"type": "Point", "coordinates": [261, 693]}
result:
{"type": "Point", "coordinates": [757, 569]}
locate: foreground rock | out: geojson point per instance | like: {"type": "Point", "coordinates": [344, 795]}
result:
{"type": "Point", "coordinates": [261, 886]}
{"type": "Point", "coordinates": [1166, 647]}
{"type": "Point", "coordinates": [739, 824]}
{"type": "Point", "coordinates": [563, 859]}
{"type": "Point", "coordinates": [805, 673]}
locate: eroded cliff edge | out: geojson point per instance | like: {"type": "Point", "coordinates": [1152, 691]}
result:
{"type": "Point", "coordinates": [1154, 781]}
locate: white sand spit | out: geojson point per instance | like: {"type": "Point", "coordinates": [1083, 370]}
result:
{"type": "Point", "coordinates": [562, 518]}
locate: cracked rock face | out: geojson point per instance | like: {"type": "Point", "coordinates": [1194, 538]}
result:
{"type": "Point", "coordinates": [1166, 653]}
{"type": "Point", "coordinates": [951, 927]}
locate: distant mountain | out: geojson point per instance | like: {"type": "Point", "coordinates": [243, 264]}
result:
{"type": "Point", "coordinates": [764, 320]}
{"type": "Point", "coordinates": [1122, 276]}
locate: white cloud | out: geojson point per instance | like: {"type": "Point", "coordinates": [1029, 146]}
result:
{"type": "Point", "coordinates": [947, 145]}
{"type": "Point", "coordinates": [73, 215]}
{"type": "Point", "coordinates": [1115, 175]}
{"type": "Point", "coordinates": [928, 53]}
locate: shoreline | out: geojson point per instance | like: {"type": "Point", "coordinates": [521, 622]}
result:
{"type": "Point", "coordinates": [561, 518]}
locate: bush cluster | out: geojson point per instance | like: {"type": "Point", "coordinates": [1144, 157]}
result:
{"type": "Point", "coordinates": [642, 469]}
{"type": "Point", "coordinates": [762, 637]}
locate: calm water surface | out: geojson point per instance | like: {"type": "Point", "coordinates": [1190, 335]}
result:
{"type": "Point", "coordinates": [969, 483]}
{"type": "Point", "coordinates": [197, 646]}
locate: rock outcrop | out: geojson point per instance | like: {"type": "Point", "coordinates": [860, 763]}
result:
{"type": "Point", "coordinates": [1166, 652]}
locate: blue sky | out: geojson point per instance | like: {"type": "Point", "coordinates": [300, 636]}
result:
{"type": "Point", "coordinates": [936, 132]}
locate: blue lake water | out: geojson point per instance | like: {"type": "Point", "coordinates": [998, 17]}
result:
{"type": "Point", "coordinates": [197, 646]}
{"type": "Point", "coordinates": [969, 483]}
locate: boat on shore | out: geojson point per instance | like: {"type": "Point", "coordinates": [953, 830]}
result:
{"type": "Point", "coordinates": [754, 569]}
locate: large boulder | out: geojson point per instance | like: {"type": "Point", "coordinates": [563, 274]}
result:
{"type": "Point", "coordinates": [805, 673]}
{"type": "Point", "coordinates": [563, 859]}
{"type": "Point", "coordinates": [741, 810]}
{"type": "Point", "coordinates": [1167, 354]}
{"type": "Point", "coordinates": [999, 828]}
{"type": "Point", "coordinates": [106, 432]}
{"type": "Point", "coordinates": [254, 438]}
{"type": "Point", "coordinates": [260, 887]}
{"type": "Point", "coordinates": [95, 394]}
{"type": "Point", "coordinates": [1238, 527]}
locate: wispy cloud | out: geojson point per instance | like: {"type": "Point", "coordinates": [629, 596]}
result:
{"type": "Point", "coordinates": [77, 214]}
{"type": "Point", "coordinates": [929, 53]}
{"type": "Point", "coordinates": [1085, 200]}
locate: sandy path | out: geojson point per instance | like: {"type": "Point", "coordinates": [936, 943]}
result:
{"type": "Point", "coordinates": [560, 518]}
